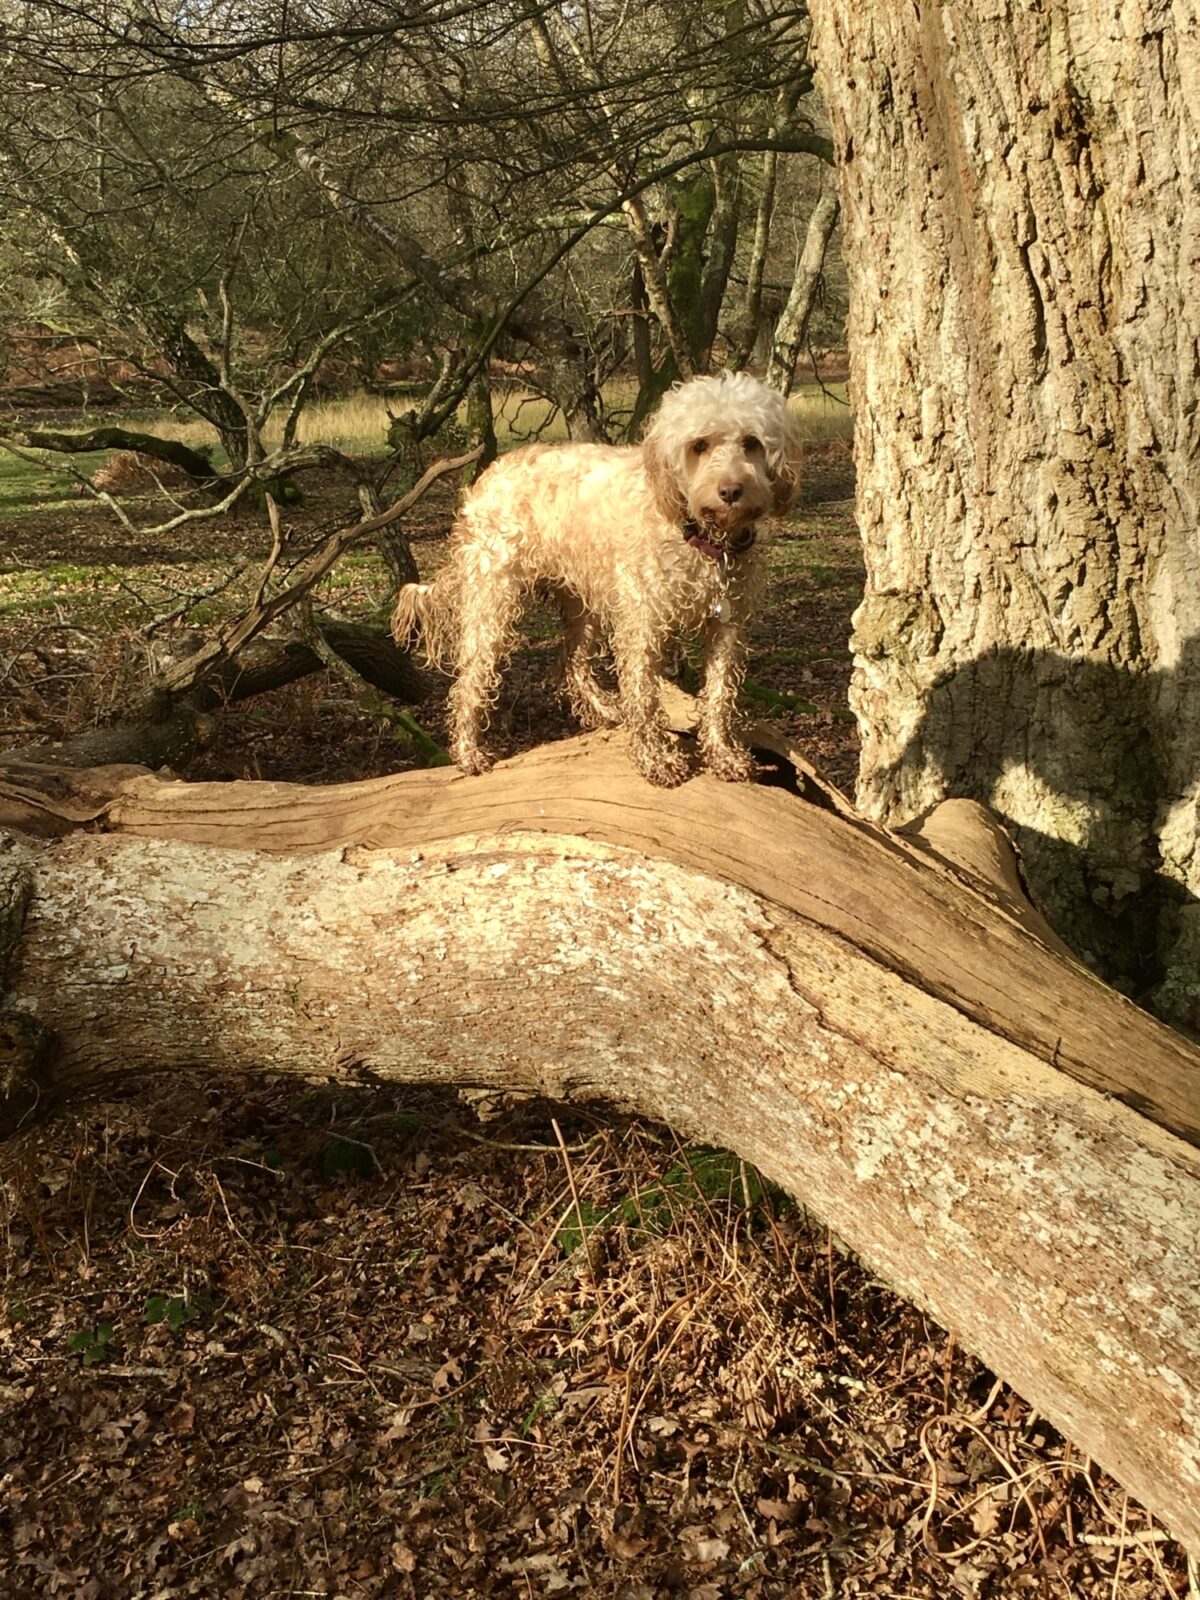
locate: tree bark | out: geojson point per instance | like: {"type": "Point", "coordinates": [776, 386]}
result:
{"type": "Point", "coordinates": [750, 313]}
{"type": "Point", "coordinates": [1022, 210]}
{"type": "Point", "coordinates": [881, 1030]}
{"type": "Point", "coordinates": [196, 379]}
{"type": "Point", "coordinates": [194, 462]}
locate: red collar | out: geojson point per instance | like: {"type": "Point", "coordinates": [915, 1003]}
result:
{"type": "Point", "coordinates": [718, 552]}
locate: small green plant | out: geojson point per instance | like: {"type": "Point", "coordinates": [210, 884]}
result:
{"type": "Point", "coordinates": [703, 1176]}
{"type": "Point", "coordinates": [439, 1481]}
{"type": "Point", "coordinates": [760, 694]}
{"type": "Point", "coordinates": [348, 1155]}
{"type": "Point", "coordinates": [192, 1512]}
{"type": "Point", "coordinates": [174, 1310]}
{"type": "Point", "coordinates": [581, 1220]}
{"type": "Point", "coordinates": [545, 1405]}
{"type": "Point", "coordinates": [93, 1343]}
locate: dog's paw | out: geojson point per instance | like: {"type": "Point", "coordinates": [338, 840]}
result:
{"type": "Point", "coordinates": [594, 714]}
{"type": "Point", "coordinates": [662, 764]}
{"type": "Point", "coordinates": [473, 762]}
{"type": "Point", "coordinates": [732, 764]}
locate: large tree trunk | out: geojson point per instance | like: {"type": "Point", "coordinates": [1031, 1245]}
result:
{"type": "Point", "coordinates": [886, 1034]}
{"type": "Point", "coordinates": [1022, 234]}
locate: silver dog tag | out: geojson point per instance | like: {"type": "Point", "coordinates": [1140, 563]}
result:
{"type": "Point", "coordinates": [722, 610]}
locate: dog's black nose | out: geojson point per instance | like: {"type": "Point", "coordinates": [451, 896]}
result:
{"type": "Point", "coordinates": [730, 493]}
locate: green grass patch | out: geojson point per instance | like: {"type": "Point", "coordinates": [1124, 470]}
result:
{"type": "Point", "coordinates": [703, 1178]}
{"type": "Point", "coordinates": [31, 590]}
{"type": "Point", "coordinates": [28, 487]}
{"type": "Point", "coordinates": [758, 694]}
{"type": "Point", "coordinates": [802, 657]}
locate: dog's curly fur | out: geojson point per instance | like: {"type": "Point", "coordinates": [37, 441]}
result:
{"type": "Point", "coordinates": [608, 528]}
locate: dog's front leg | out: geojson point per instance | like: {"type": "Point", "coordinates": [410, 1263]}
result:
{"type": "Point", "coordinates": [724, 667]}
{"type": "Point", "coordinates": [655, 751]}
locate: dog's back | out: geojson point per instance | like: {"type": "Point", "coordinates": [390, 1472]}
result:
{"type": "Point", "coordinates": [556, 512]}
{"type": "Point", "coordinates": [564, 514]}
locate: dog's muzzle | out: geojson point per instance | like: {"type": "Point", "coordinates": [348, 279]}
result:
{"type": "Point", "coordinates": [723, 552]}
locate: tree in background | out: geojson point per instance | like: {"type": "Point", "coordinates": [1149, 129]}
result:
{"type": "Point", "coordinates": [147, 225]}
{"type": "Point", "coordinates": [241, 191]}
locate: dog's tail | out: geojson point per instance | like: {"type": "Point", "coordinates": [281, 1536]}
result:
{"type": "Point", "coordinates": [429, 612]}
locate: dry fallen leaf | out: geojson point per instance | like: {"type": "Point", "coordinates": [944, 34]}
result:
{"type": "Point", "coordinates": [779, 1510]}
{"type": "Point", "coordinates": [711, 1550]}
{"type": "Point", "coordinates": [182, 1419]}
{"type": "Point", "coordinates": [403, 1559]}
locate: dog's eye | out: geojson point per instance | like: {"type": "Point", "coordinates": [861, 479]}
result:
{"type": "Point", "coordinates": [751, 442]}
{"type": "Point", "coordinates": [699, 446]}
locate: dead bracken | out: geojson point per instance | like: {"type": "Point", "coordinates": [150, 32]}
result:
{"type": "Point", "coordinates": [263, 1340]}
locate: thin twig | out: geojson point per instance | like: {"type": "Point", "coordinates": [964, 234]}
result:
{"type": "Point", "coordinates": [1122, 1541]}
{"type": "Point", "coordinates": [260, 616]}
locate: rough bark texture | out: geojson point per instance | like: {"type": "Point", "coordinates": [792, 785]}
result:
{"type": "Point", "coordinates": [1022, 235]}
{"type": "Point", "coordinates": [878, 1032]}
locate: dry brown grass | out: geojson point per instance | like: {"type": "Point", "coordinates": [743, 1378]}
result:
{"type": "Point", "coordinates": [127, 472]}
{"type": "Point", "coordinates": [358, 423]}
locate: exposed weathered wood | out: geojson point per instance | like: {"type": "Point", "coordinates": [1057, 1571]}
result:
{"type": "Point", "coordinates": [817, 860]}
{"type": "Point", "coordinates": [879, 1031]}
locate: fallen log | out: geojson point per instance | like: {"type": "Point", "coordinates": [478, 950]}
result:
{"type": "Point", "coordinates": [881, 1024]}
{"type": "Point", "coordinates": [168, 729]}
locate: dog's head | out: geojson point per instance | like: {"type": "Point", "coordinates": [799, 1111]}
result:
{"type": "Point", "coordinates": [721, 452]}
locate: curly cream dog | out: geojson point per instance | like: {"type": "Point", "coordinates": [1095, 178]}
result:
{"type": "Point", "coordinates": [641, 543]}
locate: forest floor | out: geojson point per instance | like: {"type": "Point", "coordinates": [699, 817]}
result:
{"type": "Point", "coordinates": [260, 1338]}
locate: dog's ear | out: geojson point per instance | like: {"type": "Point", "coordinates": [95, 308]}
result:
{"type": "Point", "coordinates": [659, 459]}
{"type": "Point", "coordinates": [786, 469]}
